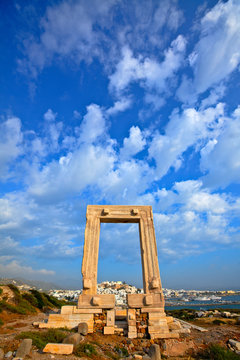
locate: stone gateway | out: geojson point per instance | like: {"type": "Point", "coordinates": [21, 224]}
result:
{"type": "Point", "coordinates": [147, 307]}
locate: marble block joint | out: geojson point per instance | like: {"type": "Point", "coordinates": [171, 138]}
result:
{"type": "Point", "coordinates": [90, 303]}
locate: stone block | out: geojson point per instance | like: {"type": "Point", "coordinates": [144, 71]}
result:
{"type": "Point", "coordinates": [154, 352]}
{"type": "Point", "coordinates": [157, 316]}
{"type": "Point", "coordinates": [132, 335]}
{"type": "Point", "coordinates": [108, 330]}
{"type": "Point", "coordinates": [154, 300]}
{"type": "Point", "coordinates": [87, 311]}
{"type": "Point", "coordinates": [132, 328]}
{"type": "Point", "coordinates": [110, 318]}
{"type": "Point", "coordinates": [148, 300]}
{"type": "Point", "coordinates": [174, 325]}
{"type": "Point", "coordinates": [169, 319]}
{"type": "Point", "coordinates": [152, 310]}
{"type": "Point", "coordinates": [60, 349]}
{"type": "Point", "coordinates": [132, 322]}
{"type": "Point", "coordinates": [104, 301]}
{"type": "Point", "coordinates": [24, 348]}
{"type": "Point", "coordinates": [74, 339]}
{"type": "Point", "coordinates": [96, 301]}
{"type": "Point", "coordinates": [131, 313]}
{"type": "Point", "coordinates": [83, 328]}
{"type": "Point", "coordinates": [87, 283]}
{"type": "Point", "coordinates": [67, 309]}
{"type": "Point", "coordinates": [120, 313]}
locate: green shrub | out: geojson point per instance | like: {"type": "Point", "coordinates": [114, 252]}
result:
{"type": "Point", "coordinates": [183, 314]}
{"type": "Point", "coordinates": [1, 322]}
{"type": "Point", "coordinates": [41, 339]}
{"type": "Point", "coordinates": [30, 298]}
{"type": "Point", "coordinates": [121, 351]}
{"type": "Point", "coordinates": [217, 352]}
{"type": "Point", "coordinates": [1, 291]}
{"type": "Point", "coordinates": [85, 350]}
{"type": "Point", "coordinates": [23, 307]}
{"type": "Point", "coordinates": [14, 289]}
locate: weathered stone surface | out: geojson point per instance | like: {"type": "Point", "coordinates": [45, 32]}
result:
{"type": "Point", "coordinates": [61, 349]}
{"type": "Point", "coordinates": [154, 352]}
{"type": "Point", "coordinates": [108, 330]}
{"type": "Point", "coordinates": [74, 339]}
{"type": "Point", "coordinates": [234, 344]}
{"type": "Point", "coordinates": [1, 354]}
{"type": "Point", "coordinates": [8, 354]}
{"type": "Point", "coordinates": [90, 303]}
{"type": "Point", "coordinates": [177, 348]}
{"type": "Point", "coordinates": [83, 328]}
{"type": "Point", "coordinates": [117, 214]}
{"type": "Point", "coordinates": [104, 301]}
{"type": "Point", "coordinates": [145, 300]}
{"type": "Point", "coordinates": [110, 318]}
{"type": "Point", "coordinates": [24, 349]}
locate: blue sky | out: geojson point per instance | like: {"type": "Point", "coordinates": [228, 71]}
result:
{"type": "Point", "coordinates": [120, 102]}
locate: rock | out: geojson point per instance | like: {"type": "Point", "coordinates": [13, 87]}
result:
{"type": "Point", "coordinates": [137, 356]}
{"type": "Point", "coordinates": [226, 314]}
{"type": "Point", "coordinates": [61, 349]}
{"type": "Point", "coordinates": [8, 354]}
{"type": "Point", "coordinates": [234, 344]}
{"type": "Point", "coordinates": [24, 349]}
{"type": "Point", "coordinates": [200, 313]}
{"type": "Point", "coordinates": [1, 354]}
{"type": "Point", "coordinates": [154, 352]}
{"type": "Point", "coordinates": [177, 348]}
{"type": "Point", "coordinates": [74, 339]}
{"type": "Point", "coordinates": [146, 357]}
{"type": "Point", "coordinates": [83, 328]}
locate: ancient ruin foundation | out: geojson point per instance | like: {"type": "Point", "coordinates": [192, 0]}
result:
{"type": "Point", "coordinates": [145, 314]}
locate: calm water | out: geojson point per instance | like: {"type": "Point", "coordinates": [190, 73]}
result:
{"type": "Point", "coordinates": [233, 302]}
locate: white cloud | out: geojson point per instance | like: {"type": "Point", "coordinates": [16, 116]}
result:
{"type": "Point", "coordinates": [50, 115]}
{"type": "Point", "coordinates": [93, 125]}
{"type": "Point", "coordinates": [133, 144]}
{"type": "Point", "coordinates": [10, 143]}
{"type": "Point", "coordinates": [220, 159]}
{"type": "Point", "coordinates": [217, 53]}
{"type": "Point", "coordinates": [67, 30]}
{"type": "Point", "coordinates": [150, 74]}
{"type": "Point", "coordinates": [119, 106]}
{"type": "Point", "coordinates": [61, 35]}
{"type": "Point", "coordinates": [15, 269]}
{"type": "Point", "coordinates": [183, 131]}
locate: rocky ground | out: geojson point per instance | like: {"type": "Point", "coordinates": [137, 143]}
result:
{"type": "Point", "coordinates": [109, 346]}
{"type": "Point", "coordinates": [19, 310]}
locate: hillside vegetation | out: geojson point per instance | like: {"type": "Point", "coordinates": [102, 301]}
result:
{"type": "Point", "coordinates": [24, 303]}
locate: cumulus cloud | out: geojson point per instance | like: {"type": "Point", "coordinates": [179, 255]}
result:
{"type": "Point", "coordinates": [13, 269]}
{"type": "Point", "coordinates": [10, 143]}
{"type": "Point", "coordinates": [217, 54]}
{"type": "Point", "coordinates": [150, 74]}
{"type": "Point", "coordinates": [63, 36]}
{"type": "Point", "coordinates": [183, 130]}
{"type": "Point", "coordinates": [133, 144]}
{"type": "Point", "coordinates": [220, 157]}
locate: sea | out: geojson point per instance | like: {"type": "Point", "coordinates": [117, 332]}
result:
{"type": "Point", "coordinates": [227, 302]}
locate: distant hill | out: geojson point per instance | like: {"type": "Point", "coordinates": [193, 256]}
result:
{"type": "Point", "coordinates": [37, 284]}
